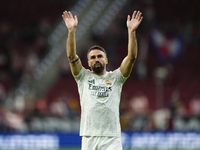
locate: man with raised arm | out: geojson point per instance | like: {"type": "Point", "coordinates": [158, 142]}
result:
{"type": "Point", "coordinates": [99, 89]}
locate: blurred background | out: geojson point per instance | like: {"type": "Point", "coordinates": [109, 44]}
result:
{"type": "Point", "coordinates": [39, 95]}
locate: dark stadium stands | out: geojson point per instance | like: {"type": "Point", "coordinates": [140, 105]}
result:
{"type": "Point", "coordinates": [25, 26]}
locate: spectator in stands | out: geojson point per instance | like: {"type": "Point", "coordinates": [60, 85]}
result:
{"type": "Point", "coordinates": [58, 107]}
{"type": "Point", "coordinates": [74, 107]}
{"type": "Point", "coordinates": [176, 105]}
{"type": "Point", "coordinates": [194, 106]}
{"type": "Point", "coordinates": [161, 119]}
{"type": "Point", "coordinates": [41, 108]}
{"type": "Point", "coordinates": [176, 108]}
{"type": "Point", "coordinates": [139, 105]}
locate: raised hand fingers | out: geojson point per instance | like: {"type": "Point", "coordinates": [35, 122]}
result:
{"type": "Point", "coordinates": [67, 15]}
{"type": "Point", "coordinates": [128, 18]}
{"type": "Point", "coordinates": [70, 21]}
{"type": "Point", "coordinates": [134, 13]}
{"type": "Point", "coordinates": [76, 18]}
{"type": "Point", "coordinates": [133, 23]}
{"type": "Point", "coordinates": [70, 14]}
{"type": "Point", "coordinates": [137, 15]}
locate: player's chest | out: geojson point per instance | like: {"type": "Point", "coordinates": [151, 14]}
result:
{"type": "Point", "coordinates": [100, 87]}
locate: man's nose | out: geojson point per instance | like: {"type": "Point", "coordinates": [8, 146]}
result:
{"type": "Point", "coordinates": [97, 59]}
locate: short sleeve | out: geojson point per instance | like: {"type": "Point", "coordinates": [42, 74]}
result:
{"type": "Point", "coordinates": [80, 76]}
{"type": "Point", "coordinates": [119, 76]}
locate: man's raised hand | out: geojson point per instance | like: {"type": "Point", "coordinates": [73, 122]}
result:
{"type": "Point", "coordinates": [70, 21]}
{"type": "Point", "coordinates": [133, 23]}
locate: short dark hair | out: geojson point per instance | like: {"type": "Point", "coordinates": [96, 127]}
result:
{"type": "Point", "coordinates": [96, 47]}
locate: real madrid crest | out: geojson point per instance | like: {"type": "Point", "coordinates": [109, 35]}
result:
{"type": "Point", "coordinates": [108, 83]}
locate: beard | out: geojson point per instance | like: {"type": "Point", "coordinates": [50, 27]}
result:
{"type": "Point", "coordinates": [98, 69]}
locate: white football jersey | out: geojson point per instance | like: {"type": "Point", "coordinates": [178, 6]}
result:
{"type": "Point", "coordinates": [99, 98]}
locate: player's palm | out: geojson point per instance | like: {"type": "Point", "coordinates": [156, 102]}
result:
{"type": "Point", "coordinates": [133, 23]}
{"type": "Point", "coordinates": [70, 21]}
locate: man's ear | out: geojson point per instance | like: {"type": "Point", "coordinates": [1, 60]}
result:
{"type": "Point", "coordinates": [106, 60]}
{"type": "Point", "coordinates": [88, 63]}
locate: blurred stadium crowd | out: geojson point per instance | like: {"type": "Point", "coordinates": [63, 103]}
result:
{"type": "Point", "coordinates": [162, 93]}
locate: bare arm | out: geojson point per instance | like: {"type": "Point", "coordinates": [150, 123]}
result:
{"type": "Point", "coordinates": [129, 60]}
{"type": "Point", "coordinates": [71, 23]}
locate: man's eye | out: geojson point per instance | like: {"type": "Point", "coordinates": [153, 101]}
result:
{"type": "Point", "coordinates": [99, 56]}
{"type": "Point", "coordinates": [93, 57]}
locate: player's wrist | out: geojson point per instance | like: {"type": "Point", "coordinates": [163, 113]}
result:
{"type": "Point", "coordinates": [72, 30]}
{"type": "Point", "coordinates": [132, 33]}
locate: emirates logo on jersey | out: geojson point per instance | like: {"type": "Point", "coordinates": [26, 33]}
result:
{"type": "Point", "coordinates": [108, 83]}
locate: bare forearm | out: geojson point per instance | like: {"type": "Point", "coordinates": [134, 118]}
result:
{"type": "Point", "coordinates": [71, 23]}
{"type": "Point", "coordinates": [71, 45]}
{"type": "Point", "coordinates": [132, 45]}
{"type": "Point", "coordinates": [132, 24]}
